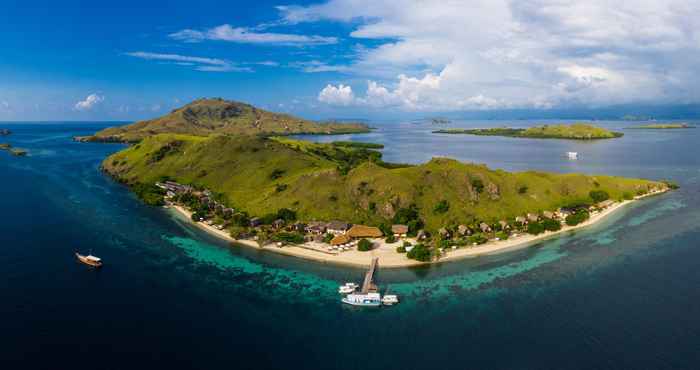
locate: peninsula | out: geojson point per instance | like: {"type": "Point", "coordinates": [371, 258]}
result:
{"type": "Point", "coordinates": [205, 117]}
{"type": "Point", "coordinates": [341, 203]}
{"type": "Point", "coordinates": [577, 131]}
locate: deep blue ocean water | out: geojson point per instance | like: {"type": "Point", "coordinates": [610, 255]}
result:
{"type": "Point", "coordinates": [622, 294]}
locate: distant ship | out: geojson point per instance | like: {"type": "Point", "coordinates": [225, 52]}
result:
{"type": "Point", "coordinates": [89, 260]}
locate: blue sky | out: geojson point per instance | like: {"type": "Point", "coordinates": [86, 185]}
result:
{"type": "Point", "coordinates": [82, 60]}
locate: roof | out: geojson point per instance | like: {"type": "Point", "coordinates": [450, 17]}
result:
{"type": "Point", "coordinates": [340, 239]}
{"type": "Point", "coordinates": [606, 203]}
{"type": "Point", "coordinates": [337, 225]}
{"type": "Point", "coordinates": [93, 258]}
{"type": "Point", "coordinates": [399, 229]}
{"type": "Point", "coordinates": [362, 231]}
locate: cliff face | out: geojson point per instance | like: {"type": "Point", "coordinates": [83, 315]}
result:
{"type": "Point", "coordinates": [217, 116]}
{"type": "Point", "coordinates": [326, 182]}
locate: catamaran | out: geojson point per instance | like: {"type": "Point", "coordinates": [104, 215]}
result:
{"type": "Point", "coordinates": [89, 260]}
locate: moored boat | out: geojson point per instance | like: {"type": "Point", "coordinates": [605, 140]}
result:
{"type": "Point", "coordinates": [390, 299]}
{"type": "Point", "coordinates": [89, 260]}
{"type": "Point", "coordinates": [366, 300]}
{"type": "Point", "coordinates": [347, 288]}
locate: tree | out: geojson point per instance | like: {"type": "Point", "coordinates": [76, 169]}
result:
{"type": "Point", "coordinates": [577, 218]}
{"type": "Point", "coordinates": [420, 252]}
{"type": "Point", "coordinates": [599, 195]}
{"type": "Point", "coordinates": [390, 239]}
{"type": "Point", "coordinates": [328, 237]}
{"type": "Point", "coordinates": [551, 225]}
{"type": "Point", "coordinates": [535, 228]}
{"type": "Point", "coordinates": [286, 214]}
{"type": "Point", "coordinates": [442, 207]}
{"type": "Point", "coordinates": [364, 245]}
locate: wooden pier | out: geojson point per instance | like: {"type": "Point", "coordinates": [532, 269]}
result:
{"type": "Point", "coordinates": [368, 285]}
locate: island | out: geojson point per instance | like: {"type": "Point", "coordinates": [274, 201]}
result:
{"type": "Point", "coordinates": [662, 126]}
{"type": "Point", "coordinates": [205, 117]}
{"type": "Point", "coordinates": [14, 151]}
{"type": "Point", "coordinates": [577, 131]}
{"type": "Point", "coordinates": [341, 203]}
{"type": "Point", "coordinates": [5, 132]}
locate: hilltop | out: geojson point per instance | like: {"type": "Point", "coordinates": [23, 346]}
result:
{"type": "Point", "coordinates": [205, 117]}
{"type": "Point", "coordinates": [261, 175]}
{"type": "Point", "coordinates": [577, 131]}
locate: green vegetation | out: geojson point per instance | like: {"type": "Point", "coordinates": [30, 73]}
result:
{"type": "Point", "coordinates": [290, 238]}
{"type": "Point", "coordinates": [326, 182]}
{"type": "Point", "coordinates": [599, 195]}
{"type": "Point", "coordinates": [149, 193]}
{"type": "Point", "coordinates": [364, 245]}
{"type": "Point", "coordinates": [577, 218]}
{"type": "Point", "coordinates": [577, 131]}
{"type": "Point", "coordinates": [205, 117]}
{"type": "Point", "coordinates": [662, 126]}
{"type": "Point", "coordinates": [355, 144]}
{"type": "Point", "coordinates": [420, 252]}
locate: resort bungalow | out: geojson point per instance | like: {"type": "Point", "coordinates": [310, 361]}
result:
{"type": "Point", "coordinates": [504, 225]}
{"type": "Point", "coordinates": [278, 224]}
{"type": "Point", "coordinates": [316, 227]}
{"type": "Point", "coordinates": [521, 220]}
{"type": "Point", "coordinates": [548, 214]}
{"type": "Point", "coordinates": [606, 204]}
{"type": "Point", "coordinates": [299, 227]}
{"type": "Point", "coordinates": [362, 231]}
{"type": "Point", "coordinates": [340, 239]}
{"type": "Point", "coordinates": [531, 217]}
{"type": "Point", "coordinates": [399, 230]}
{"type": "Point", "coordinates": [463, 230]}
{"type": "Point", "coordinates": [485, 228]}
{"type": "Point", "coordinates": [255, 222]}
{"type": "Point", "coordinates": [444, 232]}
{"type": "Point", "coordinates": [337, 227]}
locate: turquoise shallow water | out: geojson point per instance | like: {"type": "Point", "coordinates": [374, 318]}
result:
{"type": "Point", "coordinates": [621, 294]}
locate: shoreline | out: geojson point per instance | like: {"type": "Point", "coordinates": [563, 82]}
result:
{"type": "Point", "coordinates": [389, 258]}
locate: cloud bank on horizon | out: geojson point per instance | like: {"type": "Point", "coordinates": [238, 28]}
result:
{"type": "Point", "coordinates": [501, 54]}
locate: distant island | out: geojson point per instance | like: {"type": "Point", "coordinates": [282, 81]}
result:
{"type": "Point", "coordinates": [14, 151]}
{"type": "Point", "coordinates": [578, 131]}
{"type": "Point", "coordinates": [341, 203]}
{"type": "Point", "coordinates": [440, 121]}
{"type": "Point", "coordinates": [5, 132]}
{"type": "Point", "coordinates": [205, 117]}
{"type": "Point", "coordinates": [662, 126]}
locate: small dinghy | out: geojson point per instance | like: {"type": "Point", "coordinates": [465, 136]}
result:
{"type": "Point", "coordinates": [89, 260]}
{"type": "Point", "coordinates": [347, 288]}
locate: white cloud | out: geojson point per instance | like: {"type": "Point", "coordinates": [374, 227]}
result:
{"type": "Point", "coordinates": [228, 33]}
{"type": "Point", "coordinates": [199, 63]}
{"type": "Point", "coordinates": [90, 102]}
{"type": "Point", "coordinates": [315, 66]}
{"type": "Point", "coordinates": [337, 95]}
{"type": "Point", "coordinates": [489, 54]}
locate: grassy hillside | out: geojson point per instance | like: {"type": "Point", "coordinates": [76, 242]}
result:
{"type": "Point", "coordinates": [577, 131]}
{"type": "Point", "coordinates": [217, 116]}
{"type": "Point", "coordinates": [325, 181]}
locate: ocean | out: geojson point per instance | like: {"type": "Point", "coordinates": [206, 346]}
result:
{"type": "Point", "coordinates": [623, 294]}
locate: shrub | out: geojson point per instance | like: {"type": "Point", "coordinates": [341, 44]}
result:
{"type": "Point", "coordinates": [401, 249]}
{"type": "Point", "coordinates": [551, 225]}
{"type": "Point", "coordinates": [292, 238]}
{"type": "Point", "coordinates": [599, 195]}
{"type": "Point", "coordinates": [535, 228]}
{"type": "Point", "coordinates": [406, 244]}
{"type": "Point", "coordinates": [420, 253]}
{"type": "Point", "coordinates": [477, 238]}
{"type": "Point", "coordinates": [522, 189]}
{"type": "Point", "coordinates": [364, 245]}
{"type": "Point", "coordinates": [327, 238]}
{"type": "Point", "coordinates": [280, 188]}
{"type": "Point", "coordinates": [149, 194]}
{"type": "Point", "coordinates": [627, 196]}
{"type": "Point", "coordinates": [502, 235]}
{"type": "Point", "coordinates": [577, 218]}
{"type": "Point", "coordinates": [478, 185]}
{"type": "Point", "coordinates": [390, 239]}
{"type": "Point", "coordinates": [442, 207]}
{"type": "Point", "coordinates": [286, 214]}
{"type": "Point", "coordinates": [240, 219]}
{"type": "Point", "coordinates": [276, 174]}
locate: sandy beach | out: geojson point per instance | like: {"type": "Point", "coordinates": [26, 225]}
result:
{"type": "Point", "coordinates": [389, 258]}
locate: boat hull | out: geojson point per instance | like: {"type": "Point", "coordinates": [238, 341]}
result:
{"type": "Point", "coordinates": [361, 304]}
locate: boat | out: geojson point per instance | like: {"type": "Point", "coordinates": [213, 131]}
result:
{"type": "Point", "coordinates": [348, 288]}
{"type": "Point", "coordinates": [390, 299]}
{"type": "Point", "coordinates": [89, 260]}
{"type": "Point", "coordinates": [365, 300]}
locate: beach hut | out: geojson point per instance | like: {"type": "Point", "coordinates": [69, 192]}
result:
{"type": "Point", "coordinates": [606, 204]}
{"type": "Point", "coordinates": [531, 217]}
{"type": "Point", "coordinates": [255, 222]}
{"type": "Point", "coordinates": [316, 228]}
{"type": "Point", "coordinates": [504, 225]}
{"type": "Point", "coordinates": [362, 231]}
{"type": "Point", "coordinates": [463, 230]}
{"type": "Point", "coordinates": [548, 214]}
{"type": "Point", "coordinates": [444, 232]}
{"type": "Point", "coordinates": [340, 240]}
{"type": "Point", "coordinates": [485, 228]}
{"type": "Point", "coordinates": [337, 227]}
{"type": "Point", "coordinates": [399, 230]}
{"type": "Point", "coordinates": [521, 220]}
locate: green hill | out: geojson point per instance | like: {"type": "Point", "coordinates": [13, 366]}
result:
{"type": "Point", "coordinates": [217, 116]}
{"type": "Point", "coordinates": [577, 131]}
{"type": "Point", "coordinates": [260, 175]}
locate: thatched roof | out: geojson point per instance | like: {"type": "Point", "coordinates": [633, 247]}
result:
{"type": "Point", "coordinates": [399, 229]}
{"type": "Point", "coordinates": [362, 231]}
{"type": "Point", "coordinates": [340, 239]}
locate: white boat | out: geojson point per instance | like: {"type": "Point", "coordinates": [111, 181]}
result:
{"type": "Point", "coordinates": [366, 300]}
{"type": "Point", "coordinates": [390, 299]}
{"type": "Point", "coordinates": [347, 288]}
{"type": "Point", "coordinates": [89, 260]}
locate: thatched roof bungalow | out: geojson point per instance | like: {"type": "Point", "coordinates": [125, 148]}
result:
{"type": "Point", "coordinates": [362, 231]}
{"type": "Point", "coordinates": [399, 230]}
{"type": "Point", "coordinates": [340, 239]}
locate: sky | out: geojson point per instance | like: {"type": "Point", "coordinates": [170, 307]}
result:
{"type": "Point", "coordinates": [128, 60]}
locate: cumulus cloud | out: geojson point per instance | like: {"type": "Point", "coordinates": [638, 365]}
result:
{"type": "Point", "coordinates": [245, 35]}
{"type": "Point", "coordinates": [89, 102]}
{"type": "Point", "coordinates": [340, 95]}
{"type": "Point", "coordinates": [199, 63]}
{"type": "Point", "coordinates": [493, 54]}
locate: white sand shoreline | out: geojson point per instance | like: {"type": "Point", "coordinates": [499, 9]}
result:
{"type": "Point", "coordinates": [389, 258]}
